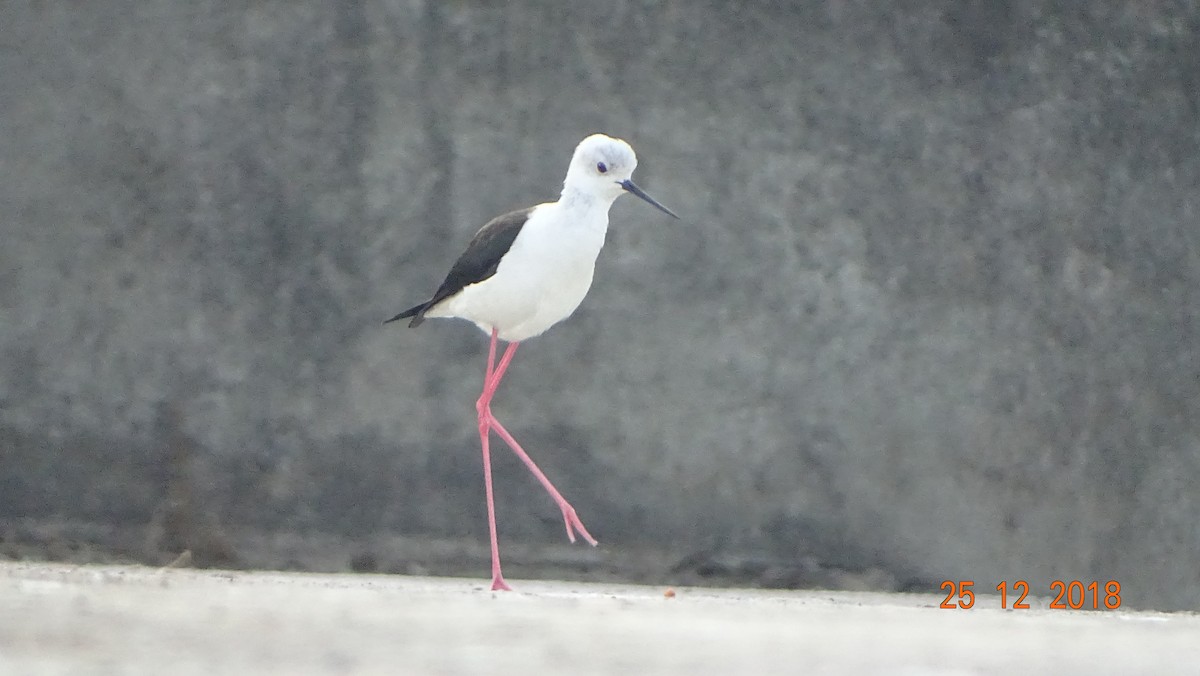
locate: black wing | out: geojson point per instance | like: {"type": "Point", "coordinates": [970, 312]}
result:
{"type": "Point", "coordinates": [476, 264]}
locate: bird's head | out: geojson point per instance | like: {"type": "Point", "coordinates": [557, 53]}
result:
{"type": "Point", "coordinates": [602, 167]}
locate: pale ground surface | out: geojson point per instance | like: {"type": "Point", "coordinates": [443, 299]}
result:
{"type": "Point", "coordinates": [60, 619]}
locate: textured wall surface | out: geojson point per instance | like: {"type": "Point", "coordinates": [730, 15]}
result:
{"type": "Point", "coordinates": [932, 308]}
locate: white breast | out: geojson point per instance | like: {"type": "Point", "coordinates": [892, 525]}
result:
{"type": "Point", "coordinates": [542, 279]}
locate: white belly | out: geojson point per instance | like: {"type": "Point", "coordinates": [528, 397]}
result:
{"type": "Point", "coordinates": [541, 281]}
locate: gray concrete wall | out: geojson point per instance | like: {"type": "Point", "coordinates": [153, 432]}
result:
{"type": "Point", "coordinates": [931, 310]}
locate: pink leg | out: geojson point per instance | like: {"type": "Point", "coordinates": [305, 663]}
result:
{"type": "Point", "coordinates": [498, 582]}
{"type": "Point", "coordinates": [492, 380]}
{"type": "Point", "coordinates": [569, 518]}
{"type": "Point", "coordinates": [487, 422]}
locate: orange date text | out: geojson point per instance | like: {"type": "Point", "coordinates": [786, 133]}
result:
{"type": "Point", "coordinates": [1069, 594]}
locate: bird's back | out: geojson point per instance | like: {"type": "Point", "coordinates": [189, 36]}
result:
{"type": "Point", "coordinates": [541, 279]}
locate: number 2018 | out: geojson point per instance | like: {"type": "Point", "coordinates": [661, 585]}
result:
{"type": "Point", "coordinates": [1074, 595]}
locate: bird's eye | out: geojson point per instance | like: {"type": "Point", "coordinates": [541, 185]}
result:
{"type": "Point", "coordinates": [601, 167]}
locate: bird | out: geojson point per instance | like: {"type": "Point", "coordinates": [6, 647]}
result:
{"type": "Point", "coordinates": [522, 273]}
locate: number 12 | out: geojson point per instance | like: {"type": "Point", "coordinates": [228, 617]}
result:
{"type": "Point", "coordinates": [1021, 585]}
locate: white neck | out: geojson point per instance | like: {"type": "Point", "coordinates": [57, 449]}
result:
{"type": "Point", "coordinates": [574, 199]}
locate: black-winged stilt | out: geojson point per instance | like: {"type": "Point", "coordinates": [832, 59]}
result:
{"type": "Point", "coordinates": [524, 272]}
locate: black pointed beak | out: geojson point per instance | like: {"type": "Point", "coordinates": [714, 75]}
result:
{"type": "Point", "coordinates": [632, 187]}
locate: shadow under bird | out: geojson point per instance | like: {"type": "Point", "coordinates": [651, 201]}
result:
{"type": "Point", "coordinates": [524, 272]}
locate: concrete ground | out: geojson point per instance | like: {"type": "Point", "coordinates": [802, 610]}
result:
{"type": "Point", "coordinates": [65, 619]}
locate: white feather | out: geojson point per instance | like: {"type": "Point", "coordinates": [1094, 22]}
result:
{"type": "Point", "coordinates": [547, 272]}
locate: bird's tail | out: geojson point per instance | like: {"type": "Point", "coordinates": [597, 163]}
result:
{"type": "Point", "coordinates": [417, 312]}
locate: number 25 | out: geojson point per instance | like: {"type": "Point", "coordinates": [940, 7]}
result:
{"type": "Point", "coordinates": [966, 597]}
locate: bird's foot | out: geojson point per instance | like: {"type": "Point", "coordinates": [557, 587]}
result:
{"type": "Point", "coordinates": [574, 525]}
{"type": "Point", "coordinates": [498, 584]}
